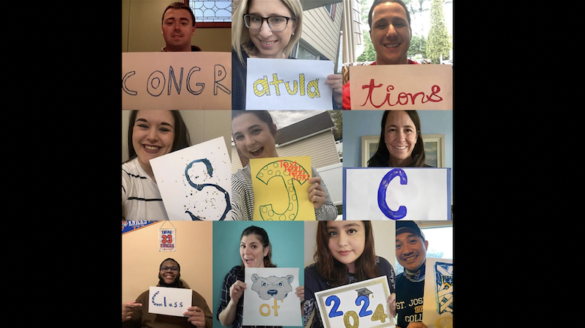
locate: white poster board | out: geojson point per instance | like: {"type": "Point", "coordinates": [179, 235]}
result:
{"type": "Point", "coordinates": [169, 301]}
{"type": "Point", "coordinates": [270, 297]}
{"type": "Point", "coordinates": [363, 304]}
{"type": "Point", "coordinates": [195, 182]}
{"type": "Point", "coordinates": [438, 296]}
{"type": "Point", "coordinates": [397, 193]}
{"type": "Point", "coordinates": [176, 80]}
{"type": "Point", "coordinates": [401, 87]}
{"type": "Point", "coordinates": [288, 84]}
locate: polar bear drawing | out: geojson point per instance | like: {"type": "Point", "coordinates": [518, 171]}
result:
{"type": "Point", "coordinates": [277, 287]}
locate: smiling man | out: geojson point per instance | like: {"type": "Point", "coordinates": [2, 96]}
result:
{"type": "Point", "coordinates": [178, 26]}
{"type": "Point", "coordinates": [136, 314]}
{"type": "Point", "coordinates": [390, 33]}
{"type": "Point", "coordinates": [411, 253]}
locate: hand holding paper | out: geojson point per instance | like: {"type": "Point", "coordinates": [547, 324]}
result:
{"type": "Point", "coordinates": [127, 310]}
{"type": "Point", "coordinates": [237, 290]}
{"type": "Point", "coordinates": [316, 192]}
{"type": "Point", "coordinates": [196, 316]}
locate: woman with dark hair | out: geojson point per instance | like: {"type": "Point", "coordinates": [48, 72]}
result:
{"type": "Point", "coordinates": [151, 133]}
{"type": "Point", "coordinates": [254, 134]}
{"type": "Point", "coordinates": [135, 314]}
{"type": "Point", "coordinates": [401, 143]}
{"type": "Point", "coordinates": [268, 29]}
{"type": "Point", "coordinates": [345, 254]}
{"type": "Point", "coordinates": [255, 252]}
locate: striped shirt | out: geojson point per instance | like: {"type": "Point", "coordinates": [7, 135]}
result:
{"type": "Point", "coordinates": [141, 199]}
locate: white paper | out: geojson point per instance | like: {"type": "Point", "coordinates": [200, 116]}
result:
{"type": "Point", "coordinates": [338, 307]}
{"type": "Point", "coordinates": [196, 194]}
{"type": "Point", "coordinates": [270, 84]}
{"type": "Point", "coordinates": [170, 301]}
{"type": "Point", "coordinates": [424, 196]}
{"type": "Point", "coordinates": [438, 297]}
{"type": "Point", "coordinates": [270, 298]}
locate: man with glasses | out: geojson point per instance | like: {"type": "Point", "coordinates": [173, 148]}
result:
{"type": "Point", "coordinates": [136, 313]}
{"type": "Point", "coordinates": [178, 26]}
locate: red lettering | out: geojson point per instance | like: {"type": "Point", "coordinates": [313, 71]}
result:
{"type": "Point", "coordinates": [404, 98]}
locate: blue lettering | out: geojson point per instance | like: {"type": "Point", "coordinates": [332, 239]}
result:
{"type": "Point", "coordinates": [394, 215]}
{"type": "Point", "coordinates": [153, 83]}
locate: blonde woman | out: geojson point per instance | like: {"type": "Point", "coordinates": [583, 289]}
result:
{"type": "Point", "coordinates": [267, 29]}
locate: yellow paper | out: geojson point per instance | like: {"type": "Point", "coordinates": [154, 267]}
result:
{"type": "Point", "coordinates": [281, 188]}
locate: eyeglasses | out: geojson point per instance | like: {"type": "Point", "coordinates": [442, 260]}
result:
{"type": "Point", "coordinates": [165, 268]}
{"type": "Point", "coordinates": [275, 23]}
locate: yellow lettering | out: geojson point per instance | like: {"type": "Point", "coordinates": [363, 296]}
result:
{"type": "Point", "coordinates": [315, 85]}
{"type": "Point", "coordinates": [263, 313]}
{"type": "Point", "coordinates": [295, 88]}
{"type": "Point", "coordinates": [302, 83]}
{"type": "Point", "coordinates": [275, 307]}
{"type": "Point", "coordinates": [275, 82]}
{"type": "Point", "coordinates": [265, 90]}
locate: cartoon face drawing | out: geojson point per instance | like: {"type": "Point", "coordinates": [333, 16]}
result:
{"type": "Point", "coordinates": [277, 287]}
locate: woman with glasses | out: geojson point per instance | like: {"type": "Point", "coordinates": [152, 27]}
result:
{"type": "Point", "coordinates": [267, 29]}
{"type": "Point", "coordinates": [136, 313]}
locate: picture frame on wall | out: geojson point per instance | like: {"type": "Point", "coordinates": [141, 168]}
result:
{"type": "Point", "coordinates": [434, 149]}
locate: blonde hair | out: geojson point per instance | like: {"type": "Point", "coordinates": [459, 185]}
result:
{"type": "Point", "coordinates": [241, 35]}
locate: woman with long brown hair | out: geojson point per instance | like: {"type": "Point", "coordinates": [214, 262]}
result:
{"type": "Point", "coordinates": [400, 143]}
{"type": "Point", "coordinates": [344, 254]}
{"type": "Point", "coordinates": [151, 134]}
{"type": "Point", "coordinates": [255, 252]}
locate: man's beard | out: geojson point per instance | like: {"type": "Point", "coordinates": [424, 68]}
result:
{"type": "Point", "coordinates": [175, 282]}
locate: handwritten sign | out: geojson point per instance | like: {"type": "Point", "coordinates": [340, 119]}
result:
{"type": "Point", "coordinates": [176, 80]}
{"type": "Point", "coordinates": [169, 301]}
{"type": "Point", "coordinates": [438, 294]}
{"type": "Point", "coordinates": [397, 193]}
{"type": "Point", "coordinates": [288, 84]}
{"type": "Point", "coordinates": [281, 188]}
{"type": "Point", "coordinates": [401, 87]}
{"type": "Point", "coordinates": [195, 182]}
{"type": "Point", "coordinates": [270, 298]}
{"type": "Point", "coordinates": [166, 239]}
{"type": "Point", "coordinates": [363, 304]}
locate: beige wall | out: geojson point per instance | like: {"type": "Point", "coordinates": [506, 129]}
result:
{"type": "Point", "coordinates": [141, 258]}
{"type": "Point", "coordinates": [141, 29]}
{"type": "Point", "coordinates": [203, 125]}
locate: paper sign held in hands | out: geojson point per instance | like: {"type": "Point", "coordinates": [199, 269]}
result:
{"type": "Point", "coordinates": [288, 84]}
{"type": "Point", "coordinates": [401, 87]}
{"type": "Point", "coordinates": [176, 80]}
{"type": "Point", "coordinates": [270, 297]}
{"type": "Point", "coordinates": [397, 193]}
{"type": "Point", "coordinates": [195, 182]}
{"type": "Point", "coordinates": [169, 301]}
{"type": "Point", "coordinates": [438, 294]}
{"type": "Point", "coordinates": [281, 188]}
{"type": "Point", "coordinates": [363, 304]}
